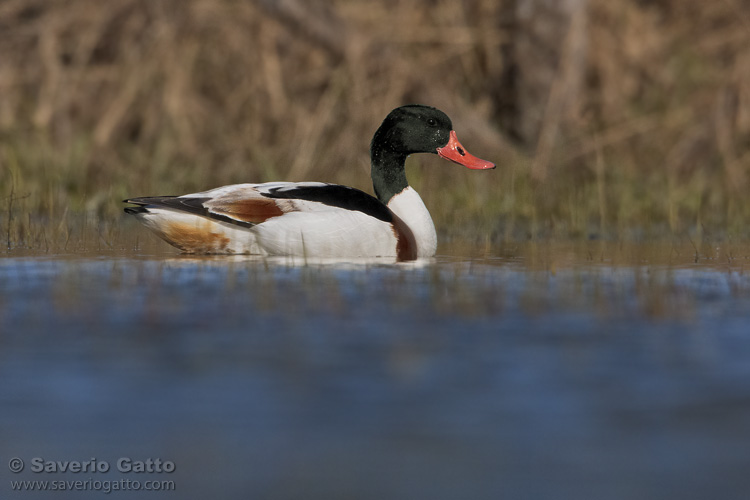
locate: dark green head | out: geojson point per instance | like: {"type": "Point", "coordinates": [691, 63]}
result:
{"type": "Point", "coordinates": [413, 129]}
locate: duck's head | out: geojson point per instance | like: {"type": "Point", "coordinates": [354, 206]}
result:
{"type": "Point", "coordinates": [423, 129]}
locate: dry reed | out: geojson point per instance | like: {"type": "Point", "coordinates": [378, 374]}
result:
{"type": "Point", "coordinates": [603, 115]}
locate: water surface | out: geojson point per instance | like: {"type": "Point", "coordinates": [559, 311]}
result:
{"type": "Point", "coordinates": [530, 370]}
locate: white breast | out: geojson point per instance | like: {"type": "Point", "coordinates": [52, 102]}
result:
{"type": "Point", "coordinates": [408, 206]}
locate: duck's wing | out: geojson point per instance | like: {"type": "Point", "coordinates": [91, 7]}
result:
{"type": "Point", "coordinates": [251, 204]}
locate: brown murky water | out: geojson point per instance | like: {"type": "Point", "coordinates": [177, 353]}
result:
{"type": "Point", "coordinates": [530, 370]}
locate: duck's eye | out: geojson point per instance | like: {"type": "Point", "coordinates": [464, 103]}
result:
{"type": "Point", "coordinates": [431, 122]}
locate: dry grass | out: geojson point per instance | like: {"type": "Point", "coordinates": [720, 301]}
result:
{"type": "Point", "coordinates": [604, 115]}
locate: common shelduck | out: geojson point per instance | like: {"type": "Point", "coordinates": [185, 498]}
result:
{"type": "Point", "coordinates": [315, 219]}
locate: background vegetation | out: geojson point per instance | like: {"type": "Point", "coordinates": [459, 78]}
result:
{"type": "Point", "coordinates": [613, 118]}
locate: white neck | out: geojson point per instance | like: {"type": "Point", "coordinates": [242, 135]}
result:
{"type": "Point", "coordinates": [409, 207]}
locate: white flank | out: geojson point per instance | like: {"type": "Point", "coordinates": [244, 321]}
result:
{"type": "Point", "coordinates": [331, 232]}
{"type": "Point", "coordinates": [316, 231]}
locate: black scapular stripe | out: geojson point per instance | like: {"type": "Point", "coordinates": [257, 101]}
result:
{"type": "Point", "coordinates": [338, 196]}
{"type": "Point", "coordinates": [190, 205]}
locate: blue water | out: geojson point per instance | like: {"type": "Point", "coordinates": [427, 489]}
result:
{"type": "Point", "coordinates": [455, 378]}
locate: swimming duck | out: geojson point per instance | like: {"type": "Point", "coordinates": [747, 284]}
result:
{"type": "Point", "coordinates": [316, 219]}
